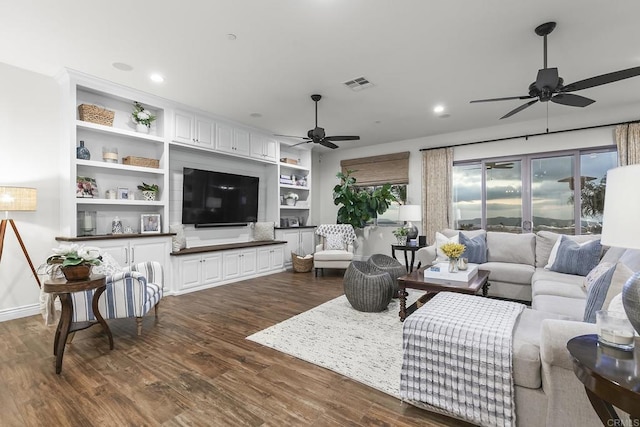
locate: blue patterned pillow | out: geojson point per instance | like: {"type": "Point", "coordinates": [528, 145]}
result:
{"type": "Point", "coordinates": [597, 295]}
{"type": "Point", "coordinates": [576, 258]}
{"type": "Point", "coordinates": [476, 248]}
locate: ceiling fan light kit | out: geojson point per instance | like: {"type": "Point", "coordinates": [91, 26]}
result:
{"type": "Point", "coordinates": [549, 86]}
{"type": "Point", "coordinates": [317, 134]}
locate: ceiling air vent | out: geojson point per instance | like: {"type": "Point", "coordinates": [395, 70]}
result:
{"type": "Point", "coordinates": [358, 83]}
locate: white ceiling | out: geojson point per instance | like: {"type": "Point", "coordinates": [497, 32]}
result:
{"type": "Point", "coordinates": [417, 53]}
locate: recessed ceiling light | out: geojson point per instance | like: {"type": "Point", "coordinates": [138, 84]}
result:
{"type": "Point", "coordinates": [122, 66]}
{"type": "Point", "coordinates": [438, 109]}
{"type": "Point", "coordinates": [231, 36]}
{"type": "Point", "coordinates": [256, 115]}
{"type": "Point", "coordinates": [156, 78]}
{"type": "Point", "coordinates": [377, 122]}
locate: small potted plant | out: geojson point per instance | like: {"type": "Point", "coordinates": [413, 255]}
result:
{"type": "Point", "coordinates": [149, 191]}
{"type": "Point", "coordinates": [401, 235]}
{"type": "Point", "coordinates": [290, 198]}
{"type": "Point", "coordinates": [74, 261]}
{"type": "Point", "coordinates": [142, 117]}
{"type": "Point", "coordinates": [453, 251]}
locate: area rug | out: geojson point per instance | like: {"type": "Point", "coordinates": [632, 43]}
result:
{"type": "Point", "coordinates": [366, 347]}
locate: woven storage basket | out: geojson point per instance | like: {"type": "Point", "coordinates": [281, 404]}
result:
{"type": "Point", "coordinates": [301, 265]}
{"type": "Point", "coordinates": [141, 161]}
{"type": "Point", "coordinates": [95, 114]}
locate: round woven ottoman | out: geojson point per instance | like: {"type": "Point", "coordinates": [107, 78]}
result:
{"type": "Point", "coordinates": [367, 287]}
{"type": "Point", "coordinates": [391, 266]}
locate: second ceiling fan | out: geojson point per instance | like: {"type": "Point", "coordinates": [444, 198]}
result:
{"type": "Point", "coordinates": [549, 85]}
{"type": "Point", "coordinates": [317, 134]}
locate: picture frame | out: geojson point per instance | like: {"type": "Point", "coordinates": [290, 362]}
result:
{"type": "Point", "coordinates": [123, 193]}
{"type": "Point", "coordinates": [293, 222]}
{"type": "Point", "coordinates": [150, 223]}
{"type": "Point", "coordinates": [86, 187]}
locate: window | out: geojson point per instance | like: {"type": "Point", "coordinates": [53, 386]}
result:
{"type": "Point", "coordinates": [560, 192]}
{"type": "Point", "coordinates": [390, 216]}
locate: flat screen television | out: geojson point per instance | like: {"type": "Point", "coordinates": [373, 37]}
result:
{"type": "Point", "coordinates": [217, 198]}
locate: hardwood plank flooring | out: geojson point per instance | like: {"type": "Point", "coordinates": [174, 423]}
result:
{"type": "Point", "coordinates": [192, 367]}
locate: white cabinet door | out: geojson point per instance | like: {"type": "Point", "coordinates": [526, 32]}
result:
{"type": "Point", "coordinates": [264, 259]}
{"type": "Point", "coordinates": [257, 146]}
{"type": "Point", "coordinates": [149, 250]}
{"type": "Point", "coordinates": [117, 248]}
{"type": "Point", "coordinates": [248, 262]}
{"type": "Point", "coordinates": [205, 132]}
{"type": "Point", "coordinates": [241, 142]}
{"type": "Point", "coordinates": [277, 257]}
{"type": "Point", "coordinates": [183, 127]}
{"type": "Point", "coordinates": [224, 138]}
{"type": "Point", "coordinates": [190, 271]}
{"type": "Point", "coordinates": [230, 265]}
{"type": "Point", "coordinates": [211, 268]}
{"type": "Point", "coordinates": [270, 150]}
{"type": "Point", "coordinates": [308, 240]}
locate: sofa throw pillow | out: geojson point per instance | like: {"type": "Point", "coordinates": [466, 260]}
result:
{"type": "Point", "coordinates": [441, 239]}
{"type": "Point", "coordinates": [616, 305]}
{"type": "Point", "coordinates": [263, 231]}
{"type": "Point", "coordinates": [475, 248]}
{"type": "Point", "coordinates": [576, 258]}
{"type": "Point", "coordinates": [179, 240]}
{"type": "Point", "coordinates": [109, 266]}
{"type": "Point", "coordinates": [595, 274]}
{"type": "Point", "coordinates": [334, 242]}
{"type": "Point", "coordinates": [597, 295]}
{"type": "Point", "coordinates": [620, 276]}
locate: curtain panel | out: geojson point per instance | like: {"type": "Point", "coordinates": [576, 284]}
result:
{"type": "Point", "coordinates": [379, 170]}
{"type": "Point", "coordinates": [437, 167]}
{"type": "Point", "coordinates": [628, 142]}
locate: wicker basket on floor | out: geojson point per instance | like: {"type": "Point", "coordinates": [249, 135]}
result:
{"type": "Point", "coordinates": [301, 265]}
{"type": "Point", "coordinates": [95, 114]}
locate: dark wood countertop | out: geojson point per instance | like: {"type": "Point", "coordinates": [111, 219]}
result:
{"type": "Point", "coordinates": [226, 246]}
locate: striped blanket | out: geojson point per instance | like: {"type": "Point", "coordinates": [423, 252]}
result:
{"type": "Point", "coordinates": [457, 357]}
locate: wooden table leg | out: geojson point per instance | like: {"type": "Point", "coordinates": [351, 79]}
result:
{"type": "Point", "coordinates": [403, 303]}
{"type": "Point", "coordinates": [63, 330]}
{"type": "Point", "coordinates": [485, 288]}
{"type": "Point", "coordinates": [413, 259]}
{"type": "Point", "coordinates": [605, 410]}
{"type": "Point", "coordinates": [96, 312]}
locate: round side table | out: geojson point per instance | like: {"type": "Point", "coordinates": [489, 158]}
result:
{"type": "Point", "coordinates": [63, 289]}
{"type": "Point", "coordinates": [610, 377]}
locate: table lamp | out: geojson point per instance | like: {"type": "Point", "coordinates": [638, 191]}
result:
{"type": "Point", "coordinates": [17, 199]}
{"type": "Point", "coordinates": [409, 213]}
{"type": "Point", "coordinates": [621, 228]}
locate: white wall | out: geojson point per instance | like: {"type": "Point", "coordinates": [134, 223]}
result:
{"type": "Point", "coordinates": [30, 147]}
{"type": "Point", "coordinates": [378, 239]}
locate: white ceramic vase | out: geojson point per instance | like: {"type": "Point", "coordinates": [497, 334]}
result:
{"type": "Point", "coordinates": [142, 128]}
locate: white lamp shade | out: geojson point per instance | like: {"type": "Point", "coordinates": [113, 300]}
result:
{"type": "Point", "coordinates": [620, 223]}
{"type": "Point", "coordinates": [18, 199]}
{"type": "Point", "coordinates": [409, 213]}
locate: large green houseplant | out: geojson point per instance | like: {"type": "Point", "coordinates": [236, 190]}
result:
{"type": "Point", "coordinates": [359, 205]}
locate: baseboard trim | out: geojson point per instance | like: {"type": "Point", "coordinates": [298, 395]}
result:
{"type": "Point", "coordinates": [19, 312]}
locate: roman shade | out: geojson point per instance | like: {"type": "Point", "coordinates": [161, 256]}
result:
{"type": "Point", "coordinates": [379, 170]}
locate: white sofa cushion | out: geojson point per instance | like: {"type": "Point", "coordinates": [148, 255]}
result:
{"type": "Point", "coordinates": [571, 307]}
{"type": "Point", "coordinates": [333, 255]}
{"type": "Point", "coordinates": [542, 274]}
{"type": "Point", "coordinates": [550, 287]}
{"type": "Point", "coordinates": [508, 272]}
{"type": "Point", "coordinates": [513, 248]}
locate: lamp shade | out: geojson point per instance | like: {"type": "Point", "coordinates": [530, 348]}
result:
{"type": "Point", "coordinates": [409, 213]}
{"type": "Point", "coordinates": [620, 224]}
{"type": "Point", "coordinates": [18, 199]}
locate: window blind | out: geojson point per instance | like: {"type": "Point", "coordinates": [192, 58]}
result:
{"type": "Point", "coordinates": [378, 170]}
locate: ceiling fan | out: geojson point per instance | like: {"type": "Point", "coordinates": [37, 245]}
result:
{"type": "Point", "coordinates": [549, 86]}
{"type": "Point", "coordinates": [317, 134]}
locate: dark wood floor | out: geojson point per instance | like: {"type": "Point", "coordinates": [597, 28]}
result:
{"type": "Point", "coordinates": [193, 367]}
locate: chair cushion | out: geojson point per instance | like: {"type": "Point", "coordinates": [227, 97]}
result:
{"type": "Point", "coordinates": [334, 241]}
{"type": "Point", "coordinates": [576, 258]}
{"type": "Point", "coordinates": [475, 248]}
{"type": "Point", "coordinates": [508, 272]}
{"type": "Point", "coordinates": [526, 347]}
{"type": "Point", "coordinates": [333, 255]}
{"type": "Point", "coordinates": [513, 248]}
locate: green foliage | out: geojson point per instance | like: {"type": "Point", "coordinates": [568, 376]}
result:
{"type": "Point", "coordinates": [141, 115]}
{"type": "Point", "coordinates": [357, 205]}
{"type": "Point", "coordinates": [398, 232]}
{"type": "Point", "coordinates": [148, 187]}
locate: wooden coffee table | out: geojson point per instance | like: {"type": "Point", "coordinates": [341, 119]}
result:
{"type": "Point", "coordinates": [416, 280]}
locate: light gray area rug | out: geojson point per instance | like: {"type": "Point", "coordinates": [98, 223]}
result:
{"type": "Point", "coordinates": [366, 347]}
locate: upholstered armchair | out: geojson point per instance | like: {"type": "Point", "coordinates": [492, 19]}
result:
{"type": "Point", "coordinates": [129, 293]}
{"type": "Point", "coordinates": [335, 247]}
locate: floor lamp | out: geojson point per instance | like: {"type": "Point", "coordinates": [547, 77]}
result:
{"type": "Point", "coordinates": [16, 199]}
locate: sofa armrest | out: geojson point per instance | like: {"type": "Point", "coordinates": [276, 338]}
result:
{"type": "Point", "coordinates": [426, 255]}
{"type": "Point", "coordinates": [319, 247]}
{"type": "Point", "coordinates": [554, 337]}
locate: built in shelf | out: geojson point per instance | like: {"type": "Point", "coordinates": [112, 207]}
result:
{"type": "Point", "coordinates": [297, 208]}
{"type": "Point", "coordinates": [111, 236]}
{"type": "Point", "coordinates": [226, 247]}
{"type": "Point", "coordinates": [294, 187]}
{"type": "Point", "coordinates": [119, 166]}
{"type": "Point", "coordinates": [118, 202]}
{"type": "Point", "coordinates": [116, 131]}
{"type": "Point", "coordinates": [292, 166]}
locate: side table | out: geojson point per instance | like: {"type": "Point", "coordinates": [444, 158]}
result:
{"type": "Point", "coordinates": [63, 289]}
{"type": "Point", "coordinates": [610, 377]}
{"type": "Point", "coordinates": [406, 249]}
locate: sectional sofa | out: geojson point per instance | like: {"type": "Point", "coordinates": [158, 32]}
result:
{"type": "Point", "coordinates": [546, 390]}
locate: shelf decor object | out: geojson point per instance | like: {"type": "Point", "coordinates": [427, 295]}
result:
{"type": "Point", "coordinates": [410, 213]}
{"type": "Point", "coordinates": [141, 161]}
{"type": "Point", "coordinates": [142, 117]}
{"type": "Point", "coordinates": [83, 152]}
{"type": "Point", "coordinates": [95, 114]}
{"type": "Point", "coordinates": [621, 228]}
{"type": "Point", "coordinates": [17, 199]}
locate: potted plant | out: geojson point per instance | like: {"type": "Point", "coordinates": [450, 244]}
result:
{"type": "Point", "coordinates": [401, 235]}
{"type": "Point", "coordinates": [453, 251]}
{"type": "Point", "coordinates": [291, 198]}
{"type": "Point", "coordinates": [142, 117]}
{"type": "Point", "coordinates": [359, 205]}
{"type": "Point", "coordinates": [149, 191]}
{"type": "Point", "coordinates": [74, 261]}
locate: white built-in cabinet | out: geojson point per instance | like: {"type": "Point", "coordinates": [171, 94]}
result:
{"type": "Point", "coordinates": [263, 148]}
{"type": "Point", "coordinates": [269, 259]}
{"type": "Point", "coordinates": [128, 252]}
{"type": "Point", "coordinates": [299, 240]}
{"type": "Point", "coordinates": [294, 177]}
{"type": "Point", "coordinates": [198, 271]}
{"type": "Point", "coordinates": [190, 128]}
